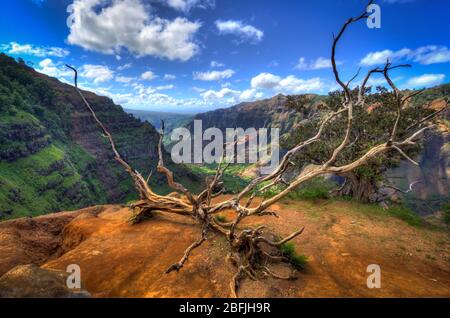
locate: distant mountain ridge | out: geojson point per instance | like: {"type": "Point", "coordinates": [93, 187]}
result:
{"type": "Point", "coordinates": [266, 113]}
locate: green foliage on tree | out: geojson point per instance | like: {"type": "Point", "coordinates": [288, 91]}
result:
{"type": "Point", "coordinates": [372, 125]}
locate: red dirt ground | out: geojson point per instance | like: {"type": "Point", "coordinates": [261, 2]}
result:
{"type": "Point", "coordinates": [341, 239]}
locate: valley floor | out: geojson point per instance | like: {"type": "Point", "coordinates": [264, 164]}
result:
{"type": "Point", "coordinates": [341, 239]}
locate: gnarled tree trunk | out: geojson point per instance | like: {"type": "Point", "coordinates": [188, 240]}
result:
{"type": "Point", "coordinates": [358, 187]}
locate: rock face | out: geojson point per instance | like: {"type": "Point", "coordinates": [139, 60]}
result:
{"type": "Point", "coordinates": [35, 240]}
{"type": "Point", "coordinates": [432, 175]}
{"type": "Point", "coordinates": [265, 113]}
{"type": "Point", "coordinates": [31, 281]}
{"type": "Point", "coordinates": [53, 156]}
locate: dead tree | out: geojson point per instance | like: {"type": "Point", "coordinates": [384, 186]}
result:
{"type": "Point", "coordinates": [253, 250]}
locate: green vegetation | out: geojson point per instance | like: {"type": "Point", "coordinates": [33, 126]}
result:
{"type": "Point", "coordinates": [299, 261]}
{"type": "Point", "coordinates": [53, 158]}
{"type": "Point", "coordinates": [315, 189]}
{"type": "Point", "coordinates": [221, 218]}
{"type": "Point", "coordinates": [406, 215]}
{"type": "Point", "coordinates": [233, 182]}
{"type": "Point", "coordinates": [44, 182]}
{"type": "Point", "coordinates": [446, 213]}
{"type": "Point", "coordinates": [370, 127]}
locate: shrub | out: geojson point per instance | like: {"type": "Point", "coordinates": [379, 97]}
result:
{"type": "Point", "coordinates": [315, 189]}
{"type": "Point", "coordinates": [221, 218]}
{"type": "Point", "coordinates": [299, 261]}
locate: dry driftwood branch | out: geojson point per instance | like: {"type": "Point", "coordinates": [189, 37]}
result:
{"type": "Point", "coordinates": [247, 246]}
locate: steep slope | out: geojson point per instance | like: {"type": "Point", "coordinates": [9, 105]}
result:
{"type": "Point", "coordinates": [52, 154]}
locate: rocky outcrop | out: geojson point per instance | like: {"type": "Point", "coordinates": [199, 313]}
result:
{"type": "Point", "coordinates": [35, 240]}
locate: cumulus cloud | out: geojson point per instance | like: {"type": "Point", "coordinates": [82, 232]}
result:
{"type": "Point", "coordinates": [148, 76]}
{"type": "Point", "coordinates": [98, 73]}
{"type": "Point", "coordinates": [15, 48]}
{"type": "Point", "coordinates": [430, 54]}
{"type": "Point", "coordinates": [265, 80]}
{"type": "Point", "coordinates": [48, 67]}
{"type": "Point", "coordinates": [224, 92]}
{"type": "Point", "coordinates": [250, 94]}
{"type": "Point", "coordinates": [425, 80]}
{"type": "Point", "coordinates": [213, 75]}
{"type": "Point", "coordinates": [244, 31]}
{"type": "Point", "coordinates": [128, 24]}
{"type": "Point", "coordinates": [289, 84]}
{"type": "Point", "coordinates": [319, 63]}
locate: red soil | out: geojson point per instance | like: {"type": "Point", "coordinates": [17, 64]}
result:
{"type": "Point", "coordinates": [122, 260]}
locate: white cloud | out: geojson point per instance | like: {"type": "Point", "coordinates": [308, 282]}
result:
{"type": "Point", "coordinates": [169, 77]}
{"type": "Point", "coordinates": [128, 24]}
{"type": "Point", "coordinates": [429, 54]}
{"type": "Point", "coordinates": [187, 5]}
{"type": "Point", "coordinates": [243, 31]}
{"type": "Point", "coordinates": [432, 54]}
{"type": "Point", "coordinates": [223, 93]}
{"type": "Point", "coordinates": [250, 94]}
{"type": "Point", "coordinates": [265, 80]}
{"type": "Point", "coordinates": [425, 80]}
{"type": "Point", "coordinates": [124, 79]}
{"type": "Point", "coordinates": [99, 73]}
{"type": "Point", "coordinates": [48, 67]}
{"type": "Point", "coordinates": [213, 75]}
{"type": "Point", "coordinates": [319, 63]}
{"type": "Point", "coordinates": [148, 76]}
{"type": "Point", "coordinates": [289, 84]}
{"type": "Point", "coordinates": [165, 87]}
{"type": "Point", "coordinates": [217, 64]}
{"type": "Point", "coordinates": [15, 48]}
{"type": "Point", "coordinates": [124, 67]}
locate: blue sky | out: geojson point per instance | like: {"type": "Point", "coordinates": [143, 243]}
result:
{"type": "Point", "coordinates": [197, 55]}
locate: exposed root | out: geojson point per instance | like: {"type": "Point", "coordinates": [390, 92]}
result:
{"type": "Point", "coordinates": [179, 265]}
{"type": "Point", "coordinates": [252, 260]}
